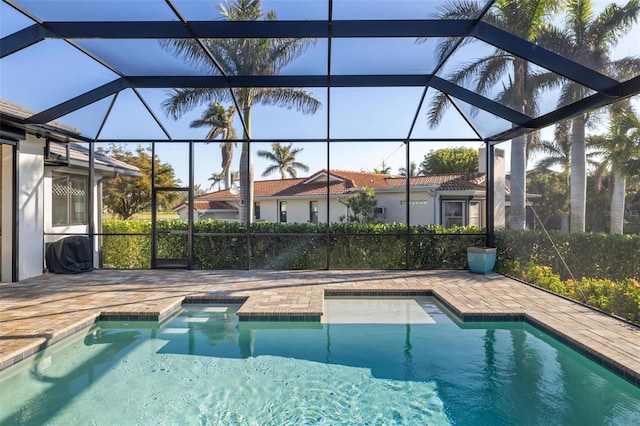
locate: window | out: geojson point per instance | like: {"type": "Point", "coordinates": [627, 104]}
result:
{"type": "Point", "coordinates": [256, 210]}
{"type": "Point", "coordinates": [453, 213]}
{"type": "Point", "coordinates": [313, 211]}
{"type": "Point", "coordinates": [69, 200]}
{"type": "Point", "coordinates": [474, 213]}
{"type": "Point", "coordinates": [283, 211]}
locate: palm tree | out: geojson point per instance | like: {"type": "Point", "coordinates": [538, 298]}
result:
{"type": "Point", "coordinates": [241, 56]}
{"type": "Point", "coordinates": [588, 39]}
{"type": "Point", "coordinates": [284, 160]}
{"type": "Point", "coordinates": [523, 18]}
{"type": "Point", "coordinates": [413, 170]}
{"type": "Point", "coordinates": [558, 151]}
{"type": "Point", "coordinates": [221, 123]}
{"type": "Point", "coordinates": [620, 148]}
{"type": "Point", "coordinates": [383, 170]}
{"type": "Point", "coordinates": [216, 179]}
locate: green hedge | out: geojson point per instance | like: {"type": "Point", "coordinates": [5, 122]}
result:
{"type": "Point", "coordinates": [600, 256]}
{"type": "Point", "coordinates": [620, 298]}
{"type": "Point", "coordinates": [292, 245]}
{"type": "Point", "coordinates": [123, 251]}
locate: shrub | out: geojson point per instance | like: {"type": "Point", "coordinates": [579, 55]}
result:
{"type": "Point", "coordinates": [578, 255]}
{"type": "Point", "coordinates": [223, 245]}
{"type": "Point", "coordinates": [619, 298]}
{"type": "Point", "coordinates": [126, 251]}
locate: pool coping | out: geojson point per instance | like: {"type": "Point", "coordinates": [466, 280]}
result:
{"type": "Point", "coordinates": [265, 298]}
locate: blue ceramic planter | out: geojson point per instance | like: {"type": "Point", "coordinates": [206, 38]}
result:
{"type": "Point", "coordinates": [481, 259]}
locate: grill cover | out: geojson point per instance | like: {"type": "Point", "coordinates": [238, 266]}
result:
{"type": "Point", "coordinates": [70, 255]}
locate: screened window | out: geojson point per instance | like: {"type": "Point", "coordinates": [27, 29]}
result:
{"type": "Point", "coordinates": [453, 213]}
{"type": "Point", "coordinates": [283, 211]}
{"type": "Point", "coordinates": [69, 200]}
{"type": "Point", "coordinates": [256, 210]}
{"type": "Point", "coordinates": [313, 211]}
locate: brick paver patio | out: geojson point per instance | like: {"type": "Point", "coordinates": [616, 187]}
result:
{"type": "Point", "coordinates": [38, 312]}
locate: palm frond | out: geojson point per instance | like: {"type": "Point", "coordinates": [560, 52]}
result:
{"type": "Point", "coordinates": [288, 97]}
{"type": "Point", "coordinates": [437, 108]}
{"type": "Point", "coordinates": [299, 165]}
{"type": "Point", "coordinates": [181, 100]}
{"type": "Point", "coordinates": [613, 24]}
{"type": "Point", "coordinates": [270, 170]}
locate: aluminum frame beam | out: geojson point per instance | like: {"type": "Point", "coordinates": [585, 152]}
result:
{"type": "Point", "coordinates": [335, 81]}
{"type": "Point", "coordinates": [312, 29]}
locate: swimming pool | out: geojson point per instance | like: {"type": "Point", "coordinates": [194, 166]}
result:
{"type": "Point", "coordinates": [420, 366]}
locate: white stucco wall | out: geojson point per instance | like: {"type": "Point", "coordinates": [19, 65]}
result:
{"type": "Point", "coordinates": [31, 207]}
{"type": "Point", "coordinates": [421, 204]}
{"type": "Point", "coordinates": [298, 210]}
{"type": "Point", "coordinates": [7, 219]}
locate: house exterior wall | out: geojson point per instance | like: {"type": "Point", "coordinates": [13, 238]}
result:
{"type": "Point", "coordinates": [298, 210]}
{"type": "Point", "coordinates": [425, 207]}
{"type": "Point", "coordinates": [421, 207]}
{"type": "Point", "coordinates": [6, 158]}
{"type": "Point", "coordinates": [30, 207]}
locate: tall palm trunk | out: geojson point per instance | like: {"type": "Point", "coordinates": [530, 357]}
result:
{"type": "Point", "coordinates": [578, 175]}
{"type": "Point", "coordinates": [246, 173]}
{"type": "Point", "coordinates": [227, 179]}
{"type": "Point", "coordinates": [518, 211]}
{"type": "Point", "coordinates": [518, 189]}
{"type": "Point", "coordinates": [616, 217]}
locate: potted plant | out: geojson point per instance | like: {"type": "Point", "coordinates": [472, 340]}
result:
{"type": "Point", "coordinates": [481, 259]}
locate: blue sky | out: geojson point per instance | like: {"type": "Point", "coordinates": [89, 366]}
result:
{"type": "Point", "coordinates": [37, 78]}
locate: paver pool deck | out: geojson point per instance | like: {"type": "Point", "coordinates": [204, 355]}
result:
{"type": "Point", "coordinates": [38, 312]}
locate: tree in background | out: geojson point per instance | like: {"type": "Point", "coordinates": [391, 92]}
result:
{"type": "Point", "coordinates": [216, 179]}
{"type": "Point", "coordinates": [523, 18]}
{"type": "Point", "coordinates": [553, 203]}
{"type": "Point", "coordinates": [620, 148]}
{"type": "Point", "coordinates": [413, 170]}
{"type": "Point", "coordinates": [362, 206]}
{"type": "Point", "coordinates": [383, 170]}
{"type": "Point", "coordinates": [220, 122]}
{"type": "Point", "coordinates": [125, 196]}
{"type": "Point", "coordinates": [284, 161]}
{"type": "Point", "coordinates": [450, 160]}
{"type": "Point", "coordinates": [588, 39]}
{"type": "Point", "coordinates": [241, 56]}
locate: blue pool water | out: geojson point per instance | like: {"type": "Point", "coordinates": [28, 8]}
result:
{"type": "Point", "coordinates": [204, 367]}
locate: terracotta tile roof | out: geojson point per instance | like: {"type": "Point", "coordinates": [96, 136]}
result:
{"type": "Point", "coordinates": [201, 204]}
{"type": "Point", "coordinates": [355, 179]}
{"type": "Point", "coordinates": [449, 181]}
{"type": "Point", "coordinates": [346, 182]}
{"type": "Point", "coordinates": [213, 205]}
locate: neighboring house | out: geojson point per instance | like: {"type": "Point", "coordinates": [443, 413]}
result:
{"type": "Point", "coordinates": [52, 182]}
{"type": "Point", "coordinates": [448, 199]}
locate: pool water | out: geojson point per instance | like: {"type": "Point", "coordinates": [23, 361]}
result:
{"type": "Point", "coordinates": [205, 367]}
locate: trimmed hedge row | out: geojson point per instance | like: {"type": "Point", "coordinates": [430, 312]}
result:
{"type": "Point", "coordinates": [619, 298]}
{"type": "Point", "coordinates": [572, 256]}
{"type": "Point", "coordinates": [223, 245]}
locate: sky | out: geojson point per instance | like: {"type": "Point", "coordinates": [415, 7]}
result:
{"type": "Point", "coordinates": [37, 78]}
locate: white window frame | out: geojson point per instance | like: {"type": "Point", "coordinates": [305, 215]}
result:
{"type": "Point", "coordinates": [74, 198]}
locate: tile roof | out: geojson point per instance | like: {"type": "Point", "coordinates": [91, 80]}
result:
{"type": "Point", "coordinates": [78, 155]}
{"type": "Point", "coordinates": [18, 111]}
{"type": "Point", "coordinates": [442, 180]}
{"type": "Point", "coordinates": [343, 182]}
